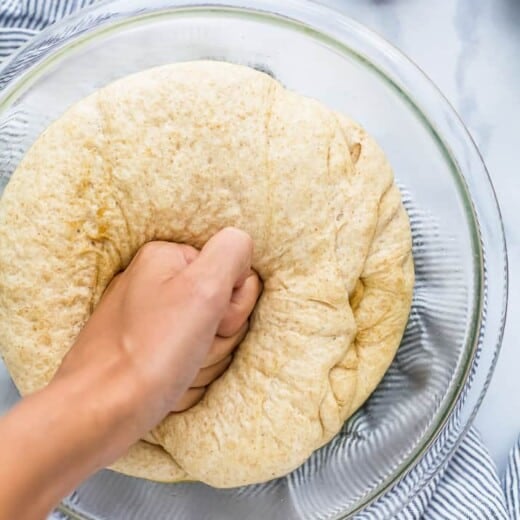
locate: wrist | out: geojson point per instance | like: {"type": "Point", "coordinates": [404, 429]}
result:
{"type": "Point", "coordinates": [111, 400]}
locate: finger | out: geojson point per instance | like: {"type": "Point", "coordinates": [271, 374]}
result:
{"type": "Point", "coordinates": [223, 263]}
{"type": "Point", "coordinates": [242, 303]}
{"type": "Point", "coordinates": [202, 293]}
{"type": "Point", "coordinates": [223, 347]}
{"type": "Point", "coordinates": [190, 253]}
{"type": "Point", "coordinates": [190, 398]}
{"type": "Point", "coordinates": [168, 259]}
{"type": "Point", "coordinates": [209, 374]}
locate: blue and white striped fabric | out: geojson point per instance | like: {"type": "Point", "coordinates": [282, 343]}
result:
{"type": "Point", "coordinates": [22, 19]}
{"type": "Point", "coordinates": [468, 487]}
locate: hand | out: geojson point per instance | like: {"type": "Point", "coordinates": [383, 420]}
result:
{"type": "Point", "coordinates": [231, 331]}
{"type": "Point", "coordinates": [167, 323]}
{"type": "Point", "coordinates": [147, 309]}
{"type": "Point", "coordinates": [232, 328]}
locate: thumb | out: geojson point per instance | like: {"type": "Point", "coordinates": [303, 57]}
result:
{"type": "Point", "coordinates": [202, 292]}
{"type": "Point", "coordinates": [223, 264]}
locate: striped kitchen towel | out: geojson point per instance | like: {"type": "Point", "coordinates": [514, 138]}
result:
{"type": "Point", "coordinates": [468, 487]}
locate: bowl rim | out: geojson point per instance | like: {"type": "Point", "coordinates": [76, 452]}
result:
{"type": "Point", "coordinates": [335, 28]}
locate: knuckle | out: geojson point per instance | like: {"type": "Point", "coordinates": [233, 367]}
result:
{"type": "Point", "coordinates": [239, 237]}
{"type": "Point", "coordinates": [163, 254]}
{"type": "Point", "coordinates": [235, 321]}
{"type": "Point", "coordinates": [150, 251]}
{"type": "Point", "coordinates": [206, 292]}
{"type": "Point", "coordinates": [229, 326]}
{"type": "Point", "coordinates": [259, 284]}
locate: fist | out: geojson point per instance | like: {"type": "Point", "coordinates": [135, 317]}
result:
{"type": "Point", "coordinates": [231, 330]}
{"type": "Point", "coordinates": [166, 327]}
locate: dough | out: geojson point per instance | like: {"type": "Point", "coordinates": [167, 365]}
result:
{"type": "Point", "coordinates": [177, 153]}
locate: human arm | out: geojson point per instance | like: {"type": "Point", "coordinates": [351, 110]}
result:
{"type": "Point", "coordinates": [159, 323]}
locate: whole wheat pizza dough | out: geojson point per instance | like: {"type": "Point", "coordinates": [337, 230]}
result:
{"type": "Point", "coordinates": [177, 153]}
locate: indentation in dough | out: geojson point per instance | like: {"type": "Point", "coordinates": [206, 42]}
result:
{"type": "Point", "coordinates": [355, 152]}
{"type": "Point", "coordinates": [357, 295]}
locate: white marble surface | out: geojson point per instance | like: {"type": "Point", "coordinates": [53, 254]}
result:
{"type": "Point", "coordinates": [471, 50]}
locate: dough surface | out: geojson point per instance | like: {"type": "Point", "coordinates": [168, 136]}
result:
{"type": "Point", "coordinates": [177, 153]}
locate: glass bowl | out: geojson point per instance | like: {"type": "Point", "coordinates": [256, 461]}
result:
{"type": "Point", "coordinates": [431, 392]}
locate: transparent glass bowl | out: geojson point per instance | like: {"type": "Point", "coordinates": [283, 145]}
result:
{"type": "Point", "coordinates": [432, 390]}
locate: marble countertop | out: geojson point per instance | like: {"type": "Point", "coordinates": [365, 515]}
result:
{"type": "Point", "coordinates": [471, 50]}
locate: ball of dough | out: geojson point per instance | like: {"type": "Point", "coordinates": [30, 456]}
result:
{"type": "Point", "coordinates": [177, 153]}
